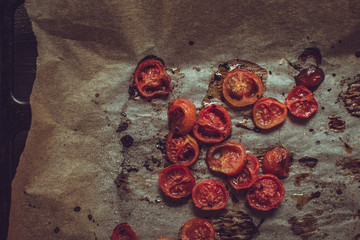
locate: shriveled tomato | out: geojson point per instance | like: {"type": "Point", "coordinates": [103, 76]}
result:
{"type": "Point", "coordinates": [242, 88]}
{"type": "Point", "coordinates": [301, 102]}
{"type": "Point", "coordinates": [213, 124]}
{"type": "Point", "coordinates": [198, 229]}
{"type": "Point", "coordinates": [248, 175]}
{"type": "Point", "coordinates": [228, 158]}
{"type": "Point", "coordinates": [268, 113]}
{"type": "Point", "coordinates": [151, 79]}
{"type": "Point", "coordinates": [181, 115]}
{"type": "Point", "coordinates": [210, 195]}
{"type": "Point", "coordinates": [181, 149]}
{"type": "Point", "coordinates": [176, 181]}
{"type": "Point", "coordinates": [123, 231]}
{"type": "Point", "coordinates": [266, 193]}
{"type": "Point", "coordinates": [310, 77]}
{"type": "Point", "coordinates": [277, 161]}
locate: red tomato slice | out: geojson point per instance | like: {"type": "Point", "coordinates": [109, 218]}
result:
{"type": "Point", "coordinates": [268, 113]}
{"type": "Point", "coordinates": [151, 78]}
{"type": "Point", "coordinates": [197, 229]}
{"type": "Point", "coordinates": [181, 149]}
{"type": "Point", "coordinates": [123, 231]}
{"type": "Point", "coordinates": [248, 175]}
{"type": "Point", "coordinates": [277, 161]}
{"type": "Point", "coordinates": [181, 115]}
{"type": "Point", "coordinates": [310, 77]}
{"type": "Point", "coordinates": [228, 158]}
{"type": "Point", "coordinates": [301, 102]}
{"type": "Point", "coordinates": [213, 124]}
{"type": "Point", "coordinates": [210, 195]}
{"type": "Point", "coordinates": [176, 181]}
{"type": "Point", "coordinates": [242, 88]}
{"type": "Point", "coordinates": [266, 193]}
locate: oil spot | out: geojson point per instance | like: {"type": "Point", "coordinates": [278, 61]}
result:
{"type": "Point", "coordinates": [305, 227]}
{"type": "Point", "coordinates": [336, 124]}
{"type": "Point", "coordinates": [56, 229]}
{"type": "Point", "coordinates": [348, 149]}
{"type": "Point", "coordinates": [313, 52]}
{"type": "Point", "coordinates": [77, 209]}
{"type": "Point", "coordinates": [308, 161]}
{"type": "Point", "coordinates": [351, 98]}
{"type": "Point", "coordinates": [299, 178]}
{"type": "Point", "coordinates": [127, 141]}
{"type": "Point", "coordinates": [303, 199]}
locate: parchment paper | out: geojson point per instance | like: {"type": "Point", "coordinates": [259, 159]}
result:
{"type": "Point", "coordinates": [76, 180]}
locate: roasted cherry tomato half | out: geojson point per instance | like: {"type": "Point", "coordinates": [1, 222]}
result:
{"type": "Point", "coordinates": [242, 88]}
{"type": "Point", "coordinates": [266, 193]}
{"type": "Point", "coordinates": [123, 231]}
{"type": "Point", "coordinates": [213, 124]}
{"type": "Point", "coordinates": [181, 149]}
{"type": "Point", "coordinates": [210, 195]}
{"type": "Point", "coordinates": [176, 181]}
{"type": "Point", "coordinates": [228, 158]}
{"type": "Point", "coordinates": [301, 102]}
{"type": "Point", "coordinates": [197, 229]}
{"type": "Point", "coordinates": [248, 175]}
{"type": "Point", "coordinates": [151, 79]}
{"type": "Point", "coordinates": [268, 113]}
{"type": "Point", "coordinates": [181, 115]}
{"type": "Point", "coordinates": [277, 161]}
{"type": "Point", "coordinates": [310, 77]}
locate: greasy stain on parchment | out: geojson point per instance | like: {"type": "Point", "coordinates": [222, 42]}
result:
{"type": "Point", "coordinates": [351, 97]}
{"type": "Point", "coordinates": [305, 227]}
{"type": "Point", "coordinates": [336, 124]}
{"type": "Point", "coordinates": [299, 178]}
{"type": "Point", "coordinates": [122, 185]}
{"type": "Point", "coordinates": [216, 81]}
{"type": "Point", "coordinates": [234, 225]}
{"type": "Point", "coordinates": [352, 165]}
{"type": "Point", "coordinates": [303, 199]}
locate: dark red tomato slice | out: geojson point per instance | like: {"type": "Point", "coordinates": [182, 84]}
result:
{"type": "Point", "coordinates": [310, 77]}
{"type": "Point", "coordinates": [268, 113]}
{"type": "Point", "coordinates": [213, 124]}
{"type": "Point", "coordinates": [301, 102]}
{"type": "Point", "coordinates": [123, 231]}
{"type": "Point", "coordinates": [176, 181]}
{"type": "Point", "coordinates": [151, 79]}
{"type": "Point", "coordinates": [248, 175]}
{"type": "Point", "coordinates": [197, 229]}
{"type": "Point", "coordinates": [277, 161]}
{"type": "Point", "coordinates": [228, 158]}
{"type": "Point", "coordinates": [210, 195]}
{"type": "Point", "coordinates": [242, 88]}
{"type": "Point", "coordinates": [181, 115]}
{"type": "Point", "coordinates": [182, 149]}
{"type": "Point", "coordinates": [266, 193]}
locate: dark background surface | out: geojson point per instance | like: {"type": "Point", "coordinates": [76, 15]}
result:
{"type": "Point", "coordinates": [18, 51]}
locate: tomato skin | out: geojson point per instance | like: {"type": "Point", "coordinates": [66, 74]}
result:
{"type": "Point", "coordinates": [242, 88]}
{"type": "Point", "coordinates": [181, 149]}
{"type": "Point", "coordinates": [176, 181]}
{"type": "Point", "coordinates": [268, 113]}
{"type": "Point", "coordinates": [151, 79]}
{"type": "Point", "coordinates": [266, 193]}
{"type": "Point", "coordinates": [301, 102]}
{"type": "Point", "coordinates": [310, 77]}
{"type": "Point", "coordinates": [181, 115]}
{"type": "Point", "coordinates": [123, 231]}
{"type": "Point", "coordinates": [248, 175]}
{"type": "Point", "coordinates": [231, 160]}
{"type": "Point", "coordinates": [213, 124]}
{"type": "Point", "coordinates": [197, 229]}
{"type": "Point", "coordinates": [277, 161]}
{"type": "Point", "coordinates": [210, 195]}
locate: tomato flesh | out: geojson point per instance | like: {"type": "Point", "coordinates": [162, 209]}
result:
{"type": "Point", "coordinates": [181, 115]}
{"type": "Point", "coordinates": [213, 124]}
{"type": "Point", "coordinates": [151, 78]}
{"type": "Point", "coordinates": [228, 158]}
{"type": "Point", "coordinates": [197, 229]}
{"type": "Point", "coordinates": [247, 176]}
{"type": "Point", "coordinates": [176, 181]}
{"type": "Point", "coordinates": [266, 193]}
{"type": "Point", "coordinates": [182, 149]}
{"type": "Point", "coordinates": [301, 102]}
{"type": "Point", "coordinates": [242, 88]}
{"type": "Point", "coordinates": [310, 77]}
{"type": "Point", "coordinates": [210, 195]}
{"type": "Point", "coordinates": [123, 231]}
{"type": "Point", "coordinates": [268, 113]}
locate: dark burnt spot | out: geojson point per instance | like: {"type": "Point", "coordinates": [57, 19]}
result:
{"type": "Point", "coordinates": [132, 91]}
{"type": "Point", "coordinates": [97, 95]}
{"type": "Point", "coordinates": [90, 217]}
{"type": "Point", "coordinates": [308, 161]}
{"type": "Point", "coordinates": [339, 191]}
{"type": "Point", "coordinates": [318, 142]}
{"type": "Point", "coordinates": [123, 126]}
{"type": "Point", "coordinates": [191, 43]}
{"type": "Point", "coordinates": [77, 209]}
{"type": "Point", "coordinates": [127, 141]}
{"type": "Point", "coordinates": [313, 52]}
{"type": "Point", "coordinates": [56, 229]}
{"type": "Point", "coordinates": [305, 227]}
{"type": "Point", "coordinates": [336, 124]}
{"type": "Point", "coordinates": [131, 169]}
{"type": "Point", "coordinates": [316, 194]}
{"type": "Point", "coordinates": [357, 54]}
{"type": "Point", "coordinates": [353, 165]}
{"type": "Point", "coordinates": [161, 144]}
{"type": "Point", "coordinates": [147, 166]}
{"type": "Point", "coordinates": [334, 74]}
